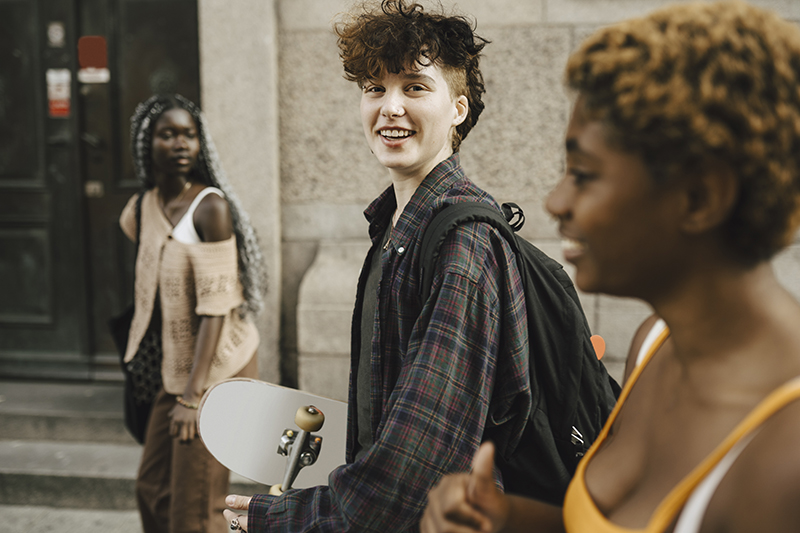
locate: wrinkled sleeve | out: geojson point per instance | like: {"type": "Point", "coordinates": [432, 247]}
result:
{"type": "Point", "coordinates": [127, 219]}
{"type": "Point", "coordinates": [443, 400]}
{"type": "Point", "coordinates": [216, 277]}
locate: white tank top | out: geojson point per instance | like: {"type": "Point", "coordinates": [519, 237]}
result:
{"type": "Point", "coordinates": [184, 231]}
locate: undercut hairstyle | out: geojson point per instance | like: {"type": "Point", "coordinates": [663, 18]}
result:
{"type": "Point", "coordinates": [395, 36]}
{"type": "Point", "coordinates": [208, 171]}
{"type": "Point", "coordinates": [700, 84]}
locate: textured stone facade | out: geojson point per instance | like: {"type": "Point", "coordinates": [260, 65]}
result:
{"type": "Point", "coordinates": [239, 72]}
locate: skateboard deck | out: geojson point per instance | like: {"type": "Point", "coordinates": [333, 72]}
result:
{"type": "Point", "coordinates": [242, 421]}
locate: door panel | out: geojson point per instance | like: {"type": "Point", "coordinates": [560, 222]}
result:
{"type": "Point", "coordinates": [18, 119]}
{"type": "Point", "coordinates": [65, 172]}
{"type": "Point", "coordinates": [153, 49]}
{"type": "Point", "coordinates": [42, 291]}
{"type": "Point", "coordinates": [25, 276]}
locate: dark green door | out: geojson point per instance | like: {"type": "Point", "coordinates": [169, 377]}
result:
{"type": "Point", "coordinates": [65, 170]}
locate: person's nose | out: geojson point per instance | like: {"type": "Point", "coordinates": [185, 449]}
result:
{"type": "Point", "coordinates": [393, 105]}
{"type": "Point", "coordinates": [181, 142]}
{"type": "Point", "coordinates": [558, 202]}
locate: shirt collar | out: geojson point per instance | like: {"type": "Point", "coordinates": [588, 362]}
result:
{"type": "Point", "coordinates": [436, 183]}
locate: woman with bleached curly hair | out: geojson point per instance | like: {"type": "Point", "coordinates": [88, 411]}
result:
{"type": "Point", "coordinates": [199, 282]}
{"type": "Point", "coordinates": [682, 182]}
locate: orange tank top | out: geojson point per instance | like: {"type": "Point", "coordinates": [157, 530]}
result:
{"type": "Point", "coordinates": [581, 515]}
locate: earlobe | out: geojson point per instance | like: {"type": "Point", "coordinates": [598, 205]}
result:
{"type": "Point", "coordinates": [462, 109]}
{"type": "Point", "coordinates": [710, 197]}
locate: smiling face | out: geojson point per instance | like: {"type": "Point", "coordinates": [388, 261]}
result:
{"type": "Point", "coordinates": [175, 143]}
{"type": "Point", "coordinates": [409, 118]}
{"type": "Point", "coordinates": [618, 224]}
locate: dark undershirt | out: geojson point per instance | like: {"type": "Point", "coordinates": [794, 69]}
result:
{"type": "Point", "coordinates": [364, 376]}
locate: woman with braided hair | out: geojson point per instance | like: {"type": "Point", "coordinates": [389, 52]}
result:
{"type": "Point", "coordinates": [199, 270]}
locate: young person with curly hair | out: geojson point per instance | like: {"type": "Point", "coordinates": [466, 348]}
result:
{"type": "Point", "coordinates": [682, 182]}
{"type": "Point", "coordinates": [429, 380]}
{"type": "Point", "coordinates": [199, 272]}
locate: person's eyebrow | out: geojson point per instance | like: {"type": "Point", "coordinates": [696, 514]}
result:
{"type": "Point", "coordinates": [416, 76]}
{"type": "Point", "coordinates": [574, 149]}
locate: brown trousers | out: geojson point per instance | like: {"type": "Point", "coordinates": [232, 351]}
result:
{"type": "Point", "coordinates": [180, 487]}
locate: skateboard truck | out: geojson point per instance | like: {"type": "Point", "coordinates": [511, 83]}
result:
{"type": "Point", "coordinates": [301, 447]}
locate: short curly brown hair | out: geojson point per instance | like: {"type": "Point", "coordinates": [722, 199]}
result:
{"type": "Point", "coordinates": [691, 84]}
{"type": "Point", "coordinates": [393, 37]}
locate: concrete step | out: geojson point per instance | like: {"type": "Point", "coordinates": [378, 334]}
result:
{"type": "Point", "coordinates": [72, 412]}
{"type": "Point", "coordinates": [52, 520]}
{"type": "Point", "coordinates": [78, 475]}
{"type": "Point", "coordinates": [64, 445]}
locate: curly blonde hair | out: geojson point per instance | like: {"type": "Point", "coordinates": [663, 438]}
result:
{"type": "Point", "coordinates": [694, 84]}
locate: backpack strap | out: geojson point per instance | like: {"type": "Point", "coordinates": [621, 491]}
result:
{"type": "Point", "coordinates": [454, 215]}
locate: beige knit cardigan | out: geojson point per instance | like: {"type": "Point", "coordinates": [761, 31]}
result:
{"type": "Point", "coordinates": [192, 280]}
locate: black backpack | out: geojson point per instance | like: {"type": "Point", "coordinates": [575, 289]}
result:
{"type": "Point", "coordinates": [571, 389]}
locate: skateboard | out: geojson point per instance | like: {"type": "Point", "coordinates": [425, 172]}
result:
{"type": "Point", "coordinates": [274, 435]}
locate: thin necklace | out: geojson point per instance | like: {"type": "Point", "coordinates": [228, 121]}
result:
{"type": "Point", "coordinates": [178, 198]}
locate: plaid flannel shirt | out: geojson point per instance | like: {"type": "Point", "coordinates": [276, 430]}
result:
{"type": "Point", "coordinates": [447, 373]}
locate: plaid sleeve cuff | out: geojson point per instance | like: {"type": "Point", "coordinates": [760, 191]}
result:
{"type": "Point", "coordinates": [258, 513]}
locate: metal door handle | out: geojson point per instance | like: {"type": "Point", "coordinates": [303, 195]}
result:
{"type": "Point", "coordinates": [92, 140]}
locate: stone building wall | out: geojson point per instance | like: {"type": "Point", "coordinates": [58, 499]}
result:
{"type": "Point", "coordinates": [312, 140]}
{"type": "Point", "coordinates": [238, 80]}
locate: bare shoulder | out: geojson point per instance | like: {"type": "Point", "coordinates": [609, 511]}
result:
{"type": "Point", "coordinates": [212, 219]}
{"type": "Point", "coordinates": [761, 491]}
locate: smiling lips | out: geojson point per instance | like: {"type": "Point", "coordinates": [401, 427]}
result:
{"type": "Point", "coordinates": [395, 134]}
{"type": "Point", "coordinates": [571, 248]}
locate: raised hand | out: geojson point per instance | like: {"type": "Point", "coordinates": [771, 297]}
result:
{"type": "Point", "coordinates": [466, 503]}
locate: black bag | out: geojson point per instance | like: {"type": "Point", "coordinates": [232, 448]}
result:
{"type": "Point", "coordinates": [571, 389]}
{"type": "Point", "coordinates": [142, 374]}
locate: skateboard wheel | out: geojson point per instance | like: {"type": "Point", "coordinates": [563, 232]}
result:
{"type": "Point", "coordinates": [309, 418]}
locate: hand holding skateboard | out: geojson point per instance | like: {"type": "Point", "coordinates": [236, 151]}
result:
{"type": "Point", "coordinates": [240, 503]}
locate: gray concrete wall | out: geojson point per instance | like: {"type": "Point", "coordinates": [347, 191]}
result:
{"type": "Point", "coordinates": [327, 175]}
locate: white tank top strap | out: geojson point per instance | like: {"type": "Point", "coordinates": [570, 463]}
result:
{"type": "Point", "coordinates": [694, 510]}
{"type": "Point", "coordinates": [184, 231]}
{"type": "Point", "coordinates": [650, 339]}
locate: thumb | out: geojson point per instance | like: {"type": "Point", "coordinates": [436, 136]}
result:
{"type": "Point", "coordinates": [483, 462]}
{"type": "Point", "coordinates": [235, 501]}
{"type": "Point", "coordinates": [481, 482]}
